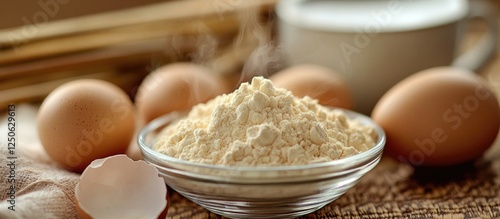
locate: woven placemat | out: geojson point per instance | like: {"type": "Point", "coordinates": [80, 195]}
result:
{"type": "Point", "coordinates": [394, 190]}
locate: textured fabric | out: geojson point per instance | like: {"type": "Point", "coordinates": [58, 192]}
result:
{"type": "Point", "coordinates": [393, 190]}
{"type": "Point", "coordinates": [390, 190]}
{"type": "Point", "coordinates": [42, 191]}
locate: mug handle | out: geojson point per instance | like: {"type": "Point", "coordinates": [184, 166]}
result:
{"type": "Point", "coordinates": [476, 57]}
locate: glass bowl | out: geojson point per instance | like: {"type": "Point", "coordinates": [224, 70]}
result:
{"type": "Point", "coordinates": [260, 192]}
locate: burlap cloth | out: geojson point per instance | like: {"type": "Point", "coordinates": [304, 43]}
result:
{"type": "Point", "coordinates": [42, 191]}
{"type": "Point", "coordinates": [391, 190]}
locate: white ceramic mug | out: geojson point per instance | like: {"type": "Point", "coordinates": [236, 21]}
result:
{"type": "Point", "coordinates": [376, 43]}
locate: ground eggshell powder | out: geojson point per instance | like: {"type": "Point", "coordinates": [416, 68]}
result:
{"type": "Point", "coordinates": [260, 125]}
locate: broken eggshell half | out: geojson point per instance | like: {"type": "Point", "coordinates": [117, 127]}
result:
{"type": "Point", "coordinates": [118, 187]}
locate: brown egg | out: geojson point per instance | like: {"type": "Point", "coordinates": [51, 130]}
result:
{"type": "Point", "coordinates": [176, 87]}
{"type": "Point", "coordinates": [437, 117]}
{"type": "Point", "coordinates": [85, 120]}
{"type": "Point", "coordinates": [316, 82]}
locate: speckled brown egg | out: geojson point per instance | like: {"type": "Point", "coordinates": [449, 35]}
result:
{"type": "Point", "coordinates": [174, 87]}
{"type": "Point", "coordinates": [439, 117]}
{"type": "Point", "coordinates": [317, 82]}
{"type": "Point", "coordinates": [85, 120]}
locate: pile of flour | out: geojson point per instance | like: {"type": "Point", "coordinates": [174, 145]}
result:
{"type": "Point", "coordinates": [260, 125]}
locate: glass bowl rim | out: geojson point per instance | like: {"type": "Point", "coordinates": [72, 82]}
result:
{"type": "Point", "coordinates": [369, 154]}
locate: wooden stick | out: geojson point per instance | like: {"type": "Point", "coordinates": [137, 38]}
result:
{"type": "Point", "coordinates": [36, 79]}
{"type": "Point", "coordinates": [131, 52]}
{"type": "Point", "coordinates": [38, 91]}
{"type": "Point", "coordinates": [34, 91]}
{"type": "Point", "coordinates": [167, 11]}
{"type": "Point", "coordinates": [135, 52]}
{"type": "Point", "coordinates": [112, 37]}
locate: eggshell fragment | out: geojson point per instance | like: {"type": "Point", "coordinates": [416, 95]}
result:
{"type": "Point", "coordinates": [118, 187]}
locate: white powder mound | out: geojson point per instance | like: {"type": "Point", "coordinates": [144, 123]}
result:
{"type": "Point", "coordinates": [260, 125]}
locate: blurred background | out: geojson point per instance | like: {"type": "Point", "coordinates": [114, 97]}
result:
{"type": "Point", "coordinates": [46, 43]}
